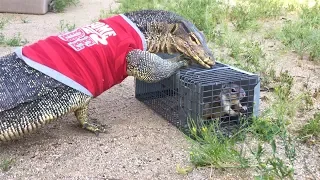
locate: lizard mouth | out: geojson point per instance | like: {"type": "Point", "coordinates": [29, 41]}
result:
{"type": "Point", "coordinates": [191, 51]}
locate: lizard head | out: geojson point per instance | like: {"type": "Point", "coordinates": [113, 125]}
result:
{"type": "Point", "coordinates": [180, 38]}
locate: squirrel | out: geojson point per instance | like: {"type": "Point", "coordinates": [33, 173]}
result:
{"type": "Point", "coordinates": [228, 102]}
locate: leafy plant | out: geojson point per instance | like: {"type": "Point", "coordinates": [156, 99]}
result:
{"type": "Point", "coordinates": [65, 26]}
{"type": "Point", "coordinates": [311, 129]}
{"type": "Point", "coordinates": [6, 164]}
{"type": "Point", "coordinates": [212, 148]}
{"type": "Point", "coordinates": [273, 167]}
{"type": "Point", "coordinates": [16, 40]}
{"type": "Point", "coordinates": [184, 170]}
{"type": "Point", "coordinates": [61, 5]}
{"type": "Point", "coordinates": [3, 21]}
{"type": "Point", "coordinates": [265, 129]}
{"type": "Point", "coordinates": [303, 35]}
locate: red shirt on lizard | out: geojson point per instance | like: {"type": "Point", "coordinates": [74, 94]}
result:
{"type": "Point", "coordinates": [90, 59]}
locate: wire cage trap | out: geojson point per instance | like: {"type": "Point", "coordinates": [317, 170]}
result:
{"type": "Point", "coordinates": [222, 93]}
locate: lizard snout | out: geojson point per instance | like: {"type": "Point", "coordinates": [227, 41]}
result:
{"type": "Point", "coordinates": [202, 58]}
{"type": "Point", "coordinates": [196, 52]}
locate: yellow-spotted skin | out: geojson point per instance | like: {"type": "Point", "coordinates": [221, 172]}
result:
{"type": "Point", "coordinates": [30, 100]}
{"type": "Point", "coordinates": [30, 116]}
{"type": "Point", "coordinates": [151, 68]}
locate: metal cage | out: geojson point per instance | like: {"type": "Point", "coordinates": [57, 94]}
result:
{"type": "Point", "coordinates": [194, 92]}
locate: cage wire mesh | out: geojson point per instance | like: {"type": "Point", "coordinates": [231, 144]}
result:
{"type": "Point", "coordinates": [204, 96]}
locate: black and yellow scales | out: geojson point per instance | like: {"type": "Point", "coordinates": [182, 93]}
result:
{"type": "Point", "coordinates": [29, 99]}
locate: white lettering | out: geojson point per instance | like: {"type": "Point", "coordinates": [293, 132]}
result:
{"type": "Point", "coordinates": [96, 33]}
{"type": "Point", "coordinates": [110, 33]}
{"type": "Point", "coordinates": [97, 25]}
{"type": "Point", "coordinates": [88, 30]}
{"type": "Point", "coordinates": [81, 43]}
{"type": "Point", "coordinates": [104, 29]}
{"type": "Point", "coordinates": [73, 35]}
{"type": "Point", "coordinates": [98, 39]}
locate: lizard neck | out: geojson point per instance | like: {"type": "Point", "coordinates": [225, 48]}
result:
{"type": "Point", "coordinates": [162, 42]}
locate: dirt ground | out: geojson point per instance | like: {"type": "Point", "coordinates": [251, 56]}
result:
{"type": "Point", "coordinates": [139, 143]}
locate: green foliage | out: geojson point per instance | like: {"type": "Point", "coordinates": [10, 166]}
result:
{"type": "Point", "coordinates": [311, 129]}
{"type": "Point", "coordinates": [212, 148]}
{"type": "Point", "coordinates": [279, 113]}
{"type": "Point", "coordinates": [286, 104]}
{"type": "Point", "coordinates": [246, 13]}
{"type": "Point", "coordinates": [6, 164]}
{"type": "Point", "coordinates": [303, 35]}
{"type": "Point", "coordinates": [65, 26]}
{"type": "Point", "coordinates": [205, 14]}
{"type": "Point", "coordinates": [208, 14]}
{"type": "Point", "coordinates": [61, 5]}
{"type": "Point", "coordinates": [273, 167]}
{"type": "Point", "coordinates": [2, 38]}
{"type": "Point", "coordinates": [14, 41]}
{"type": "Point", "coordinates": [241, 18]}
{"type": "Point", "coordinates": [184, 170]}
{"type": "Point", "coordinates": [284, 86]}
{"type": "Point", "coordinates": [247, 55]}
{"type": "Point", "coordinates": [264, 128]}
{"type": "Point", "coordinates": [3, 22]}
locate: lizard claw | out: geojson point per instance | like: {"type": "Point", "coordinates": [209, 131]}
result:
{"type": "Point", "coordinates": [97, 129]}
{"type": "Point", "coordinates": [97, 133]}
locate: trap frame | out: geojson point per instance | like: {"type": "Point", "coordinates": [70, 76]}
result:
{"type": "Point", "coordinates": [190, 92]}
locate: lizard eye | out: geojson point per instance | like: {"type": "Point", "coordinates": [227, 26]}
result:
{"type": "Point", "coordinates": [233, 90]}
{"type": "Point", "coordinates": [194, 39]}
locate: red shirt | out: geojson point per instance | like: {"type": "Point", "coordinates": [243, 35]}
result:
{"type": "Point", "coordinates": [92, 58]}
